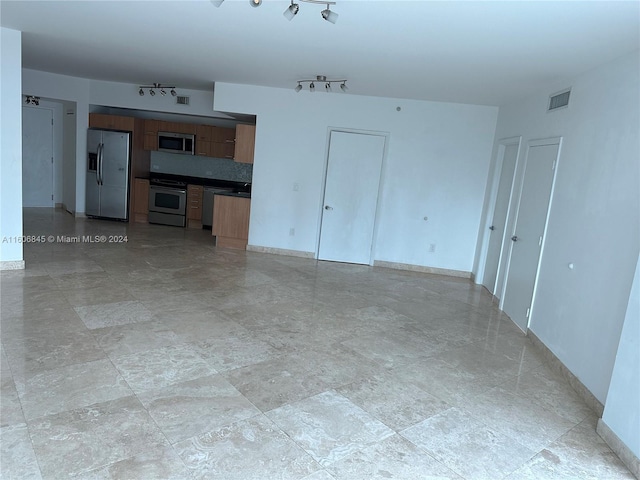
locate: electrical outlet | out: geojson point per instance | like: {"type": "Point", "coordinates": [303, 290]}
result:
{"type": "Point", "coordinates": [432, 247]}
{"type": "Point", "coordinates": [292, 232]}
{"type": "Point", "coordinates": [296, 187]}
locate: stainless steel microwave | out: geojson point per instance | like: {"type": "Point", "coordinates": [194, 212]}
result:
{"type": "Point", "coordinates": [176, 143]}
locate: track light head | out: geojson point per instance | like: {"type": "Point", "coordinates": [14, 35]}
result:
{"type": "Point", "coordinates": [327, 87]}
{"type": "Point", "coordinates": [255, 3]}
{"type": "Point", "coordinates": [291, 11]}
{"type": "Point", "coordinates": [343, 87]}
{"type": "Point", "coordinates": [312, 87]}
{"type": "Point", "coordinates": [298, 88]}
{"type": "Point", "coordinates": [163, 92]}
{"type": "Point", "coordinates": [173, 92]}
{"type": "Point", "coordinates": [141, 92]}
{"type": "Point", "coordinates": [329, 16]}
{"type": "Point", "coordinates": [152, 92]}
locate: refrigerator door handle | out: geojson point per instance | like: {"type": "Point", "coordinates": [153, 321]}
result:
{"type": "Point", "coordinates": [100, 161]}
{"type": "Point", "coordinates": [98, 165]}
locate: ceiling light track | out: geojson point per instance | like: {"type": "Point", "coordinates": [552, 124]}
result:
{"type": "Point", "coordinates": [160, 88]}
{"type": "Point", "coordinates": [322, 80]}
{"type": "Point", "coordinates": [293, 9]}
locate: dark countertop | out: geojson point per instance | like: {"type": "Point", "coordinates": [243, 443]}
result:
{"type": "Point", "coordinates": [240, 189]}
{"type": "Point", "coordinates": [235, 194]}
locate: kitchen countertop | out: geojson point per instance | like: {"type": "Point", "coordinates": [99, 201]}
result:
{"type": "Point", "coordinates": [235, 194]}
{"type": "Point", "coordinates": [241, 189]}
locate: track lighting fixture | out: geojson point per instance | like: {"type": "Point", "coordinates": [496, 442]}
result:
{"type": "Point", "coordinates": [292, 10]}
{"type": "Point", "coordinates": [322, 79]}
{"type": "Point", "coordinates": [32, 100]}
{"type": "Point", "coordinates": [328, 15]}
{"type": "Point", "coordinates": [156, 86]}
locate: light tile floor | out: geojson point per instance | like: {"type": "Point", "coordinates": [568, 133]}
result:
{"type": "Point", "coordinates": [166, 358]}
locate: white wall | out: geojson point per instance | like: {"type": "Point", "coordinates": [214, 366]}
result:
{"type": "Point", "coordinates": [11, 253]}
{"type": "Point", "coordinates": [594, 221]}
{"type": "Point", "coordinates": [437, 160]}
{"type": "Point", "coordinates": [125, 95]}
{"type": "Point", "coordinates": [622, 410]}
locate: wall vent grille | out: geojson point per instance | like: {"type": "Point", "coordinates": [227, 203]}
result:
{"type": "Point", "coordinates": [559, 100]}
{"type": "Point", "coordinates": [182, 100]}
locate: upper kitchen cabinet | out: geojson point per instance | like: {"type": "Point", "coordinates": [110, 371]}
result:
{"type": "Point", "coordinates": [176, 127]}
{"type": "Point", "coordinates": [245, 143]}
{"type": "Point", "coordinates": [111, 122]}
{"type": "Point", "coordinates": [151, 134]}
{"type": "Point", "coordinates": [223, 142]}
{"type": "Point", "coordinates": [203, 140]}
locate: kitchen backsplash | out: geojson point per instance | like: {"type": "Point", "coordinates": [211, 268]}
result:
{"type": "Point", "coordinates": [204, 167]}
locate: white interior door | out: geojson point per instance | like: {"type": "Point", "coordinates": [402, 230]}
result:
{"type": "Point", "coordinates": [37, 157]}
{"type": "Point", "coordinates": [351, 197]}
{"type": "Point", "coordinates": [499, 221]}
{"type": "Point", "coordinates": [528, 235]}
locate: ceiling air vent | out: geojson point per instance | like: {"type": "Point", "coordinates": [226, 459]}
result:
{"type": "Point", "coordinates": [182, 100]}
{"type": "Point", "coordinates": [559, 100]}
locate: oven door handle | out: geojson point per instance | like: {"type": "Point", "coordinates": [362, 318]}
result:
{"type": "Point", "coordinates": [158, 188]}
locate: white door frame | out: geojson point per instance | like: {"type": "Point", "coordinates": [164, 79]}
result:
{"type": "Point", "coordinates": [533, 143]}
{"type": "Point", "coordinates": [380, 184]}
{"type": "Point", "coordinates": [503, 143]}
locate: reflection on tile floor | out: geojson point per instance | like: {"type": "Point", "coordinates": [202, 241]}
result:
{"type": "Point", "coordinates": [167, 358]}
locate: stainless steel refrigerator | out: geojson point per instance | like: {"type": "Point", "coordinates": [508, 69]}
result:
{"type": "Point", "coordinates": [108, 161]}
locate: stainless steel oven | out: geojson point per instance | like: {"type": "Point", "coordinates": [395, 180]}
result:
{"type": "Point", "coordinates": [168, 203]}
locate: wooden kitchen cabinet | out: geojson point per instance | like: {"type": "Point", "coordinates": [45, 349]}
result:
{"type": "Point", "coordinates": [194, 206]}
{"type": "Point", "coordinates": [203, 140]}
{"type": "Point", "coordinates": [176, 127]}
{"type": "Point", "coordinates": [245, 143]}
{"type": "Point", "coordinates": [111, 122]}
{"type": "Point", "coordinates": [231, 221]}
{"type": "Point", "coordinates": [141, 200]}
{"type": "Point", "coordinates": [223, 142]}
{"type": "Point", "coordinates": [151, 134]}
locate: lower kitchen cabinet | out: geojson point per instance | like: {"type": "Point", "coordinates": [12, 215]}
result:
{"type": "Point", "coordinates": [141, 200]}
{"type": "Point", "coordinates": [231, 221]}
{"type": "Point", "coordinates": [194, 206]}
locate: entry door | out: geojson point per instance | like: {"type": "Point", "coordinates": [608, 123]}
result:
{"type": "Point", "coordinates": [37, 157]}
{"type": "Point", "coordinates": [499, 221]}
{"type": "Point", "coordinates": [351, 197]}
{"type": "Point", "coordinates": [528, 235]}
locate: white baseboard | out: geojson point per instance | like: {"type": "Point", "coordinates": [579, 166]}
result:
{"type": "Point", "coordinates": [422, 269]}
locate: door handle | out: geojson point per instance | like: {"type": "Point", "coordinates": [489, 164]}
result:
{"type": "Point", "coordinates": [514, 238]}
{"type": "Point", "coordinates": [327, 207]}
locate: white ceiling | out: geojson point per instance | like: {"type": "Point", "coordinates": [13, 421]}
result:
{"type": "Point", "coordinates": [470, 52]}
